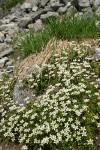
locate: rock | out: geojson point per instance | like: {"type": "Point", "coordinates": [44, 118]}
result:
{"type": "Point", "coordinates": [35, 8]}
{"type": "Point", "coordinates": [96, 56]}
{"type": "Point", "coordinates": [9, 63]}
{"type": "Point", "coordinates": [36, 15]}
{"type": "Point", "coordinates": [91, 2]}
{"type": "Point", "coordinates": [49, 14]}
{"type": "Point", "coordinates": [16, 8]}
{"type": "Point", "coordinates": [38, 25]}
{"type": "Point", "coordinates": [83, 3]}
{"type": "Point", "coordinates": [3, 61]}
{"type": "Point", "coordinates": [44, 2]}
{"type": "Point", "coordinates": [98, 11]}
{"type": "Point", "coordinates": [33, 2]}
{"type": "Point", "coordinates": [54, 1]}
{"type": "Point", "coordinates": [79, 14]}
{"type": "Point", "coordinates": [26, 6]}
{"type": "Point", "coordinates": [68, 4]}
{"type": "Point", "coordinates": [24, 22]}
{"type": "Point", "coordinates": [98, 24]}
{"type": "Point", "coordinates": [0, 147]}
{"type": "Point", "coordinates": [3, 46]}
{"type": "Point", "coordinates": [87, 9]}
{"type": "Point", "coordinates": [6, 21]}
{"type": "Point", "coordinates": [18, 14]}
{"type": "Point", "coordinates": [62, 10]}
{"type": "Point", "coordinates": [96, 3]}
{"type": "Point", "coordinates": [74, 3]}
{"type": "Point", "coordinates": [6, 52]}
{"type": "Point", "coordinates": [30, 26]}
{"type": "Point", "coordinates": [13, 18]}
{"type": "Point", "coordinates": [71, 11]}
{"type": "Point", "coordinates": [98, 80]}
{"type": "Point", "coordinates": [8, 38]}
{"type": "Point", "coordinates": [1, 13]}
{"type": "Point", "coordinates": [64, 1]}
{"type": "Point", "coordinates": [12, 31]}
{"type": "Point", "coordinates": [20, 93]}
{"type": "Point", "coordinates": [1, 22]}
{"type": "Point", "coordinates": [2, 37]}
{"type": "Point", "coordinates": [97, 50]}
{"type": "Point", "coordinates": [10, 69]}
{"type": "Point", "coordinates": [88, 12]}
{"type": "Point", "coordinates": [55, 6]}
{"type": "Point", "coordinates": [8, 26]}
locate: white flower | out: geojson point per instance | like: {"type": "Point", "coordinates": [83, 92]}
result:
{"type": "Point", "coordinates": [90, 142]}
{"type": "Point", "coordinates": [86, 100]}
{"type": "Point", "coordinates": [78, 113]}
{"type": "Point", "coordinates": [96, 117]}
{"type": "Point", "coordinates": [70, 119]}
{"type": "Point", "coordinates": [24, 147]}
{"type": "Point", "coordinates": [45, 141]}
{"type": "Point", "coordinates": [98, 125]}
{"type": "Point", "coordinates": [78, 138]}
{"type": "Point", "coordinates": [84, 133]}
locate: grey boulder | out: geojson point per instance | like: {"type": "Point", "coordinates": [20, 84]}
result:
{"type": "Point", "coordinates": [38, 25]}
{"type": "Point", "coordinates": [97, 50]}
{"type": "Point", "coordinates": [33, 2]}
{"type": "Point", "coordinates": [96, 3]}
{"type": "Point", "coordinates": [34, 8]}
{"type": "Point", "coordinates": [8, 26]}
{"type": "Point", "coordinates": [10, 69]}
{"type": "Point", "coordinates": [6, 52]}
{"type": "Point", "coordinates": [96, 56]}
{"type": "Point", "coordinates": [91, 2]}
{"type": "Point", "coordinates": [44, 2]}
{"type": "Point", "coordinates": [24, 22]}
{"type": "Point", "coordinates": [98, 11]}
{"type": "Point", "coordinates": [83, 3]}
{"type": "Point", "coordinates": [64, 1]}
{"type": "Point", "coordinates": [71, 11]}
{"type": "Point", "coordinates": [49, 14]}
{"type": "Point", "coordinates": [55, 6]}
{"type": "Point", "coordinates": [36, 15]}
{"type": "Point", "coordinates": [97, 24]}
{"type": "Point", "coordinates": [10, 62]}
{"type": "Point", "coordinates": [8, 38]}
{"type": "Point", "coordinates": [20, 93]}
{"type": "Point", "coordinates": [2, 37]}
{"type": "Point", "coordinates": [26, 6]}
{"type": "Point", "coordinates": [3, 61]}
{"type": "Point", "coordinates": [62, 10]}
{"type": "Point", "coordinates": [1, 22]}
{"type": "Point", "coordinates": [16, 8]}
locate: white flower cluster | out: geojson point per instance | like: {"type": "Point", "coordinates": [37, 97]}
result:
{"type": "Point", "coordinates": [67, 107]}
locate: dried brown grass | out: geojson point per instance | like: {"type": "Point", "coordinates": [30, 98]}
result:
{"type": "Point", "coordinates": [35, 62]}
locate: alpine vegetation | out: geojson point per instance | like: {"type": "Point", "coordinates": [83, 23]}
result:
{"type": "Point", "coordinates": [65, 111]}
{"type": "Point", "coordinates": [71, 28]}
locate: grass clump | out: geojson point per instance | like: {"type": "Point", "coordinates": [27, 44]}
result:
{"type": "Point", "coordinates": [60, 28]}
{"type": "Point", "coordinates": [74, 28]}
{"type": "Point", "coordinates": [8, 4]}
{"type": "Point", "coordinates": [65, 115]}
{"type": "Point", "coordinates": [33, 42]}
